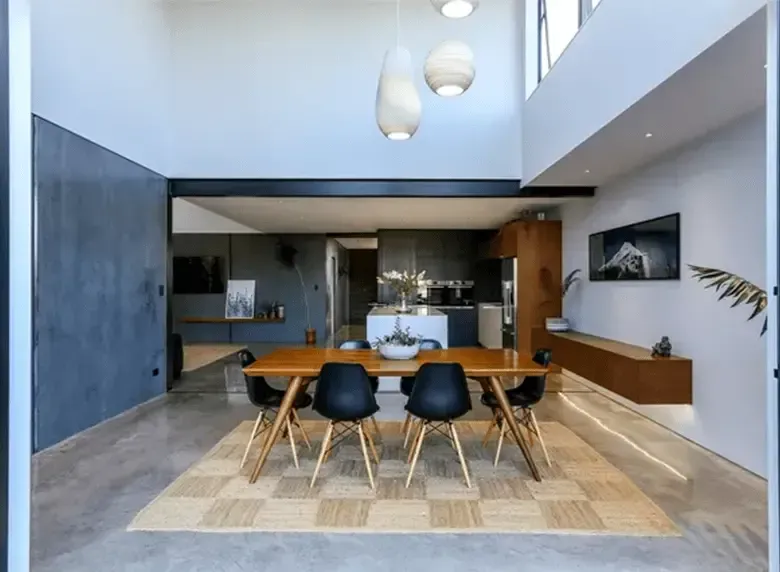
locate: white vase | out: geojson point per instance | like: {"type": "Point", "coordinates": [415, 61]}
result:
{"type": "Point", "coordinates": [389, 351]}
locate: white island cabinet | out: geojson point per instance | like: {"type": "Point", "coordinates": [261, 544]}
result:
{"type": "Point", "coordinates": [424, 321]}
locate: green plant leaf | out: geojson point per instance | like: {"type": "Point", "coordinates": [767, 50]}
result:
{"type": "Point", "coordinates": [730, 285]}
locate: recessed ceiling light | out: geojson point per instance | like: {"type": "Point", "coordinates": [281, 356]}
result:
{"type": "Point", "coordinates": [648, 135]}
{"type": "Point", "coordinates": [587, 171]}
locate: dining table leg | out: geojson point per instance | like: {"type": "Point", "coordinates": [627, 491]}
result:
{"type": "Point", "coordinates": [296, 384]}
{"type": "Point", "coordinates": [509, 417]}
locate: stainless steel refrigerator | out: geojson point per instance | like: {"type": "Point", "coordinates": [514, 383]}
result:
{"type": "Point", "coordinates": [509, 295]}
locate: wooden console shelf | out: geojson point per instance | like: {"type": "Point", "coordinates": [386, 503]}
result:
{"type": "Point", "coordinates": [629, 371]}
{"type": "Point", "coordinates": [197, 320]}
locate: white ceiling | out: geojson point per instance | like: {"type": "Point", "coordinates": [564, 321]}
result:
{"type": "Point", "coordinates": [725, 82]}
{"type": "Point", "coordinates": [348, 215]}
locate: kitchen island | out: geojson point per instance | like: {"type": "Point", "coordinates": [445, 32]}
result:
{"type": "Point", "coordinates": [423, 321]}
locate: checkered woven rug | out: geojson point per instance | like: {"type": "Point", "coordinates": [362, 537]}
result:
{"type": "Point", "coordinates": [580, 494]}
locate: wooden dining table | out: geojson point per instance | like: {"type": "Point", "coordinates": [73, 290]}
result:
{"type": "Point", "coordinates": [302, 365]}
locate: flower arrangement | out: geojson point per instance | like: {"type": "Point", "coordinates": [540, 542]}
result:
{"type": "Point", "coordinates": [404, 283]}
{"type": "Point", "coordinates": [398, 337]}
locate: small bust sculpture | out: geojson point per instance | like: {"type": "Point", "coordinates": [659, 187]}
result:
{"type": "Point", "coordinates": [662, 348]}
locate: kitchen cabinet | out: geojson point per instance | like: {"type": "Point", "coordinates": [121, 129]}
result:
{"type": "Point", "coordinates": [461, 327]}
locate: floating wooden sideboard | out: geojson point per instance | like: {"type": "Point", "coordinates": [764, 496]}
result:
{"type": "Point", "coordinates": [630, 371]}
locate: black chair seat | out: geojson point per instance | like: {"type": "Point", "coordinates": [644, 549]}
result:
{"type": "Point", "coordinates": [528, 393]}
{"type": "Point", "coordinates": [343, 393]}
{"type": "Point", "coordinates": [302, 400]}
{"type": "Point", "coordinates": [407, 385]}
{"type": "Point", "coordinates": [516, 399]}
{"type": "Point", "coordinates": [263, 395]}
{"type": "Point", "coordinates": [361, 345]}
{"type": "Point", "coordinates": [407, 382]}
{"type": "Point", "coordinates": [440, 392]}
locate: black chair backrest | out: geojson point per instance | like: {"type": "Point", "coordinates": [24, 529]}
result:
{"type": "Point", "coordinates": [344, 392]}
{"type": "Point", "coordinates": [430, 345]}
{"type": "Point", "coordinates": [440, 392]}
{"type": "Point", "coordinates": [355, 345]}
{"type": "Point", "coordinates": [257, 387]}
{"type": "Point", "coordinates": [533, 386]}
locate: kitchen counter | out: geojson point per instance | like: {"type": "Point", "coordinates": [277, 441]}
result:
{"type": "Point", "coordinates": [417, 311]}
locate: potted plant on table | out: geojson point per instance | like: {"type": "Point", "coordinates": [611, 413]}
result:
{"type": "Point", "coordinates": [398, 344]}
{"type": "Point", "coordinates": [406, 284]}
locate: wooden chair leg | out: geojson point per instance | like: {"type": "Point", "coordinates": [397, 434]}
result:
{"type": "Point", "coordinates": [258, 421]}
{"type": "Point", "coordinates": [541, 441]}
{"type": "Point", "coordinates": [323, 450]}
{"type": "Point", "coordinates": [501, 433]}
{"type": "Point", "coordinates": [417, 446]}
{"type": "Point", "coordinates": [365, 454]}
{"type": "Point", "coordinates": [493, 423]}
{"type": "Point", "coordinates": [376, 428]}
{"type": "Point", "coordinates": [454, 434]}
{"type": "Point", "coordinates": [409, 430]}
{"type": "Point", "coordinates": [420, 427]}
{"type": "Point", "coordinates": [405, 426]}
{"type": "Point", "coordinates": [292, 443]}
{"type": "Point", "coordinates": [297, 421]}
{"type": "Point", "coordinates": [370, 440]}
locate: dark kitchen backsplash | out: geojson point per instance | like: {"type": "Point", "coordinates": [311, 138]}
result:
{"type": "Point", "coordinates": [443, 254]}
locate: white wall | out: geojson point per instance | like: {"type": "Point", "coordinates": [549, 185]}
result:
{"type": "Point", "coordinates": [101, 68]}
{"type": "Point", "coordinates": [193, 219]}
{"type": "Point", "coordinates": [623, 51]}
{"type": "Point", "coordinates": [719, 187]}
{"type": "Point", "coordinates": [286, 88]}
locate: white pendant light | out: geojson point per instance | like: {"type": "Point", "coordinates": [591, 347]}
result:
{"type": "Point", "coordinates": [455, 8]}
{"type": "Point", "coordinates": [398, 105]}
{"type": "Point", "coordinates": [449, 68]}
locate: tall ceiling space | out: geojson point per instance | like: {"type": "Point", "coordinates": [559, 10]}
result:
{"type": "Point", "coordinates": [287, 88]}
{"type": "Point", "coordinates": [276, 88]}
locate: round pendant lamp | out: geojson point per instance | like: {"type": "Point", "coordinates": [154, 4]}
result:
{"type": "Point", "coordinates": [455, 8]}
{"type": "Point", "coordinates": [449, 68]}
{"type": "Point", "coordinates": [398, 105]}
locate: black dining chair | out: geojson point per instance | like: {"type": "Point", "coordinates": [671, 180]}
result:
{"type": "Point", "coordinates": [269, 400]}
{"type": "Point", "coordinates": [440, 395]}
{"type": "Point", "coordinates": [522, 398]}
{"type": "Point", "coordinates": [407, 384]}
{"type": "Point", "coordinates": [361, 345]}
{"type": "Point", "coordinates": [344, 397]}
{"type": "Point", "coordinates": [364, 345]}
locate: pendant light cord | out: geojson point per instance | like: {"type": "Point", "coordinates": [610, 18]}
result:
{"type": "Point", "coordinates": [397, 23]}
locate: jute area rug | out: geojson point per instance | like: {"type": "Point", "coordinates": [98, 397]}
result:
{"type": "Point", "coordinates": [580, 494]}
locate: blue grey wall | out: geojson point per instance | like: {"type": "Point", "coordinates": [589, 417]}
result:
{"type": "Point", "coordinates": [101, 258]}
{"type": "Point", "coordinates": [253, 257]}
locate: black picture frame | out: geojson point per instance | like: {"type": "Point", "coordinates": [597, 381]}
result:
{"type": "Point", "coordinates": [596, 242]}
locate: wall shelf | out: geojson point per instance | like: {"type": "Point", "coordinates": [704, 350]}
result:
{"type": "Point", "coordinates": [199, 320]}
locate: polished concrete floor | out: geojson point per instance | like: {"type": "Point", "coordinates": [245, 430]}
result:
{"type": "Point", "coordinates": [87, 490]}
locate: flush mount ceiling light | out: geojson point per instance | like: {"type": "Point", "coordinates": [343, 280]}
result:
{"type": "Point", "coordinates": [455, 8]}
{"type": "Point", "coordinates": [398, 105]}
{"type": "Point", "coordinates": [449, 68]}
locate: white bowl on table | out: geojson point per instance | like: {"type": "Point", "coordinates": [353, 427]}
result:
{"type": "Point", "coordinates": [388, 351]}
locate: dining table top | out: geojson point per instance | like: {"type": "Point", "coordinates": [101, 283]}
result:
{"type": "Point", "coordinates": [477, 362]}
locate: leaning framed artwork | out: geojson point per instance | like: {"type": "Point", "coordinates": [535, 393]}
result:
{"type": "Point", "coordinates": [240, 299]}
